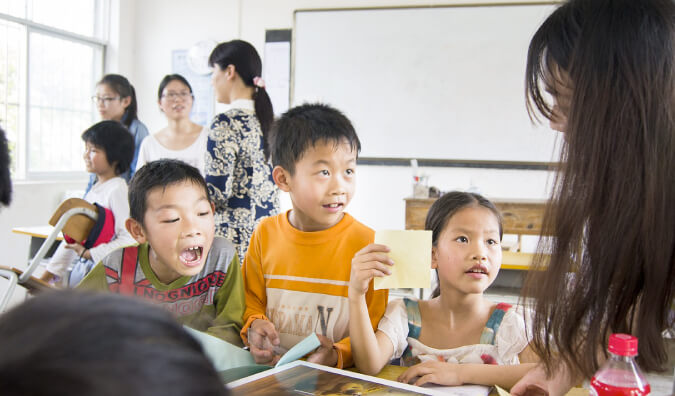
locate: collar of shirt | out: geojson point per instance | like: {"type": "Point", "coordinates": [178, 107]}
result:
{"type": "Point", "coordinates": [245, 104]}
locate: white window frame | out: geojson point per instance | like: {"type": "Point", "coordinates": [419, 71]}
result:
{"type": "Point", "coordinates": [23, 173]}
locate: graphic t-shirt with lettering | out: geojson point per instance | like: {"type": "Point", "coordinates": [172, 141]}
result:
{"type": "Point", "coordinates": [211, 301]}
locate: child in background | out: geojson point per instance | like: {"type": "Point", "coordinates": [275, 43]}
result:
{"type": "Point", "coordinates": [459, 336]}
{"type": "Point", "coordinates": [178, 264]}
{"type": "Point", "coordinates": [296, 270]}
{"type": "Point", "coordinates": [79, 344]}
{"type": "Point", "coordinates": [182, 139]}
{"type": "Point", "coordinates": [115, 100]}
{"type": "Point", "coordinates": [108, 152]}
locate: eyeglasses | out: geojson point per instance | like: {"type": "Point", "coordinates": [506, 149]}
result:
{"type": "Point", "coordinates": [176, 95]}
{"type": "Point", "coordinates": [105, 100]}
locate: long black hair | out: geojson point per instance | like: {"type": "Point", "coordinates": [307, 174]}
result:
{"type": "Point", "coordinates": [248, 65]}
{"type": "Point", "coordinates": [611, 212]}
{"type": "Point", "coordinates": [124, 89]}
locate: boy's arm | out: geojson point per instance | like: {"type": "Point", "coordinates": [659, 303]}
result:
{"type": "Point", "coordinates": [376, 300]}
{"type": "Point", "coordinates": [254, 285]}
{"type": "Point", "coordinates": [94, 280]}
{"type": "Point", "coordinates": [229, 302]}
{"type": "Point", "coordinates": [220, 159]}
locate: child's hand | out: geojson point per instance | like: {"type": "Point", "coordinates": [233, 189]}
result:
{"type": "Point", "coordinates": [325, 354]}
{"type": "Point", "coordinates": [369, 262]}
{"type": "Point", "coordinates": [440, 373]}
{"type": "Point", "coordinates": [79, 249]}
{"type": "Point", "coordinates": [264, 352]}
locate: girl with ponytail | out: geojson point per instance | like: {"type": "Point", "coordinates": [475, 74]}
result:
{"type": "Point", "coordinates": [238, 170]}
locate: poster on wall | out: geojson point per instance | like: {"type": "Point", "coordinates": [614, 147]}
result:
{"type": "Point", "coordinates": [277, 68]}
{"type": "Point", "coordinates": [200, 80]}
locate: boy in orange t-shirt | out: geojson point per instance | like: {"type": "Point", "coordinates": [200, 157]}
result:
{"type": "Point", "coordinates": [296, 271]}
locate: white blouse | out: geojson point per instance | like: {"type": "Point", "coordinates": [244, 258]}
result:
{"type": "Point", "coordinates": [510, 340]}
{"type": "Point", "coordinates": [152, 150]}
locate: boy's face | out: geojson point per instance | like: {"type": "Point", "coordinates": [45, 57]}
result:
{"type": "Point", "coordinates": [96, 161]}
{"type": "Point", "coordinates": [321, 187]}
{"type": "Point", "coordinates": [179, 228]}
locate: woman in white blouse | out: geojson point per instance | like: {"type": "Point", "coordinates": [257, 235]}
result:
{"type": "Point", "coordinates": [181, 139]}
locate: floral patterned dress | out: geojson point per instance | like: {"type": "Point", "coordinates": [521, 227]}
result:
{"type": "Point", "coordinates": [238, 177]}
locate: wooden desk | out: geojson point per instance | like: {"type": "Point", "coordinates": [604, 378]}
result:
{"type": "Point", "coordinates": [37, 236]}
{"type": "Point", "coordinates": [519, 217]}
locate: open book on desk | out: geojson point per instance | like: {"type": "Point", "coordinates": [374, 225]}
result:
{"type": "Point", "coordinates": [304, 378]}
{"type": "Point", "coordinates": [226, 356]}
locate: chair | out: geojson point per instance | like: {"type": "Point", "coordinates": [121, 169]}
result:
{"type": "Point", "coordinates": [75, 217]}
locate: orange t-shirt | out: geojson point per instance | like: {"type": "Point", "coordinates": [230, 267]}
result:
{"type": "Point", "coordinates": [299, 281]}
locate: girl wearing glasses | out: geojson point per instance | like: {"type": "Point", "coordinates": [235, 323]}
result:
{"type": "Point", "coordinates": [115, 100]}
{"type": "Point", "coordinates": [238, 170]}
{"type": "Point", "coordinates": [181, 139]}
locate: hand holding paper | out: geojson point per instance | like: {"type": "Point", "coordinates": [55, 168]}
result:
{"type": "Point", "coordinates": [411, 253]}
{"type": "Point", "coordinates": [264, 342]}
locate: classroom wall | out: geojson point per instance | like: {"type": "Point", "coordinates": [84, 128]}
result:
{"type": "Point", "coordinates": [142, 36]}
{"type": "Point", "coordinates": [380, 189]}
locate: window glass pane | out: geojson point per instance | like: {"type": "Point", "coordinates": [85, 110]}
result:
{"type": "Point", "coordinates": [11, 44]}
{"type": "Point", "coordinates": [62, 75]}
{"type": "Point", "coordinates": [77, 16]}
{"type": "Point", "coordinates": [15, 8]}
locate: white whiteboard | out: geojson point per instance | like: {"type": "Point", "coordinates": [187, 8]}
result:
{"type": "Point", "coordinates": [439, 83]}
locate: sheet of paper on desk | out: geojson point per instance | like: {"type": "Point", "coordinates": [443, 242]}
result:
{"type": "Point", "coordinates": [411, 253]}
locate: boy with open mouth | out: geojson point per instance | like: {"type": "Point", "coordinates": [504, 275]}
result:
{"type": "Point", "coordinates": [178, 263]}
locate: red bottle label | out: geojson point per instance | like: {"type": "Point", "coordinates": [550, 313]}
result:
{"type": "Point", "coordinates": [601, 389]}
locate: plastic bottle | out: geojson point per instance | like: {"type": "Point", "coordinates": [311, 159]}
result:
{"type": "Point", "coordinates": [620, 375]}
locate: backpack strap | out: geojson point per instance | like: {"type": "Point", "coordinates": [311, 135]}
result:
{"type": "Point", "coordinates": [412, 308]}
{"type": "Point", "coordinates": [125, 283]}
{"type": "Point", "coordinates": [492, 325]}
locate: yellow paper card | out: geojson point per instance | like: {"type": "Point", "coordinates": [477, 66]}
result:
{"type": "Point", "coordinates": [501, 391]}
{"type": "Point", "coordinates": [411, 252]}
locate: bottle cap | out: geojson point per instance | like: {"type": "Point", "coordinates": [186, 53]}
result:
{"type": "Point", "coordinates": [623, 344]}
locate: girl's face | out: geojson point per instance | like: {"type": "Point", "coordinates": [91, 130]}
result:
{"type": "Point", "coordinates": [176, 100]}
{"type": "Point", "coordinates": [96, 161]}
{"type": "Point", "coordinates": [221, 79]}
{"type": "Point", "coordinates": [110, 104]}
{"type": "Point", "coordinates": [561, 91]}
{"type": "Point", "coordinates": [468, 252]}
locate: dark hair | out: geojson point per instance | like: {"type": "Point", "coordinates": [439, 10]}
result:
{"type": "Point", "coordinates": [248, 66]}
{"type": "Point", "coordinates": [611, 211]}
{"type": "Point", "coordinates": [445, 207]}
{"type": "Point", "coordinates": [159, 174]}
{"type": "Point", "coordinates": [302, 127]}
{"type": "Point", "coordinates": [80, 343]}
{"type": "Point", "coordinates": [5, 181]}
{"type": "Point", "coordinates": [167, 79]}
{"type": "Point", "coordinates": [124, 89]}
{"type": "Point", "coordinates": [115, 140]}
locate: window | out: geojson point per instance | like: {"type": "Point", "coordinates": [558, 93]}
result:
{"type": "Point", "coordinates": [51, 55]}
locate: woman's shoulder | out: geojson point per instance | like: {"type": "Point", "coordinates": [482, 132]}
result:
{"type": "Point", "coordinates": [137, 128]}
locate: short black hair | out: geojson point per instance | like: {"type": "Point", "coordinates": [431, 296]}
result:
{"type": "Point", "coordinates": [116, 140]}
{"type": "Point", "coordinates": [302, 127]}
{"type": "Point", "coordinates": [5, 181]}
{"type": "Point", "coordinates": [82, 343]}
{"type": "Point", "coordinates": [167, 79]}
{"type": "Point", "coordinates": [161, 173]}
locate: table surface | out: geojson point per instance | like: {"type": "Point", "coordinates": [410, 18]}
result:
{"type": "Point", "coordinates": [37, 231]}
